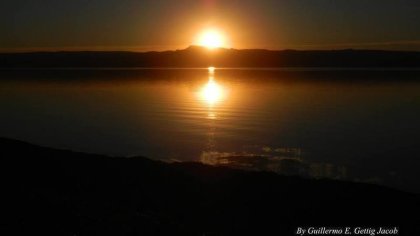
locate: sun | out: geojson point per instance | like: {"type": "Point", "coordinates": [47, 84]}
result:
{"type": "Point", "coordinates": [211, 39]}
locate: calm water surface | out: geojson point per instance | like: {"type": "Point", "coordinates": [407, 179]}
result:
{"type": "Point", "coordinates": [344, 124]}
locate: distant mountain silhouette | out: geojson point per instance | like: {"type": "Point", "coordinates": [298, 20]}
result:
{"type": "Point", "coordinates": [195, 56]}
{"type": "Point", "coordinates": [57, 192]}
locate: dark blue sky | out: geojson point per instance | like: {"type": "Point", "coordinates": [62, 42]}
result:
{"type": "Point", "coordinates": [173, 24]}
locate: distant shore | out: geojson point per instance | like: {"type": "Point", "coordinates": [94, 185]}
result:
{"type": "Point", "coordinates": [197, 57]}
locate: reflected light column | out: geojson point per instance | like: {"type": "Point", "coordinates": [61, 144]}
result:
{"type": "Point", "coordinates": [211, 94]}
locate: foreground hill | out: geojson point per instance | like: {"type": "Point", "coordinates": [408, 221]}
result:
{"type": "Point", "coordinates": [200, 57]}
{"type": "Point", "coordinates": [60, 192]}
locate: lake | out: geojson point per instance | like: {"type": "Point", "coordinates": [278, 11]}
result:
{"type": "Point", "coordinates": [351, 124]}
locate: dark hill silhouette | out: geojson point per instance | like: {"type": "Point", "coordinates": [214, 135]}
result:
{"type": "Point", "coordinates": [60, 192]}
{"type": "Point", "coordinates": [195, 56]}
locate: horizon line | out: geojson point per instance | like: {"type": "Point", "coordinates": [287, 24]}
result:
{"type": "Point", "coordinates": [82, 49]}
{"type": "Point", "coordinates": [398, 45]}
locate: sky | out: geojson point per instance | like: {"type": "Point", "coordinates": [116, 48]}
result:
{"type": "Point", "coordinates": [31, 25]}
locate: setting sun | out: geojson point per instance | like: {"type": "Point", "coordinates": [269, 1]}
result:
{"type": "Point", "coordinates": [211, 39]}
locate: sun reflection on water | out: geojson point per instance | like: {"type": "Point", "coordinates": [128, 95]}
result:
{"type": "Point", "coordinates": [212, 92]}
{"type": "Point", "coordinates": [211, 69]}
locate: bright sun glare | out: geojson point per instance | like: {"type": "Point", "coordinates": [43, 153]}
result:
{"type": "Point", "coordinates": [211, 92]}
{"type": "Point", "coordinates": [211, 39]}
